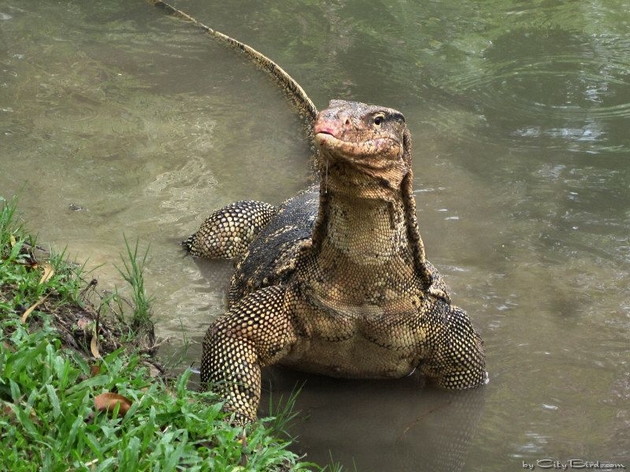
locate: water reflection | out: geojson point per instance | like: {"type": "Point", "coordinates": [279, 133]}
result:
{"type": "Point", "coordinates": [399, 424]}
{"type": "Point", "coordinates": [567, 88]}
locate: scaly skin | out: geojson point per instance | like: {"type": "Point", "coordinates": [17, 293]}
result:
{"type": "Point", "coordinates": [338, 283]}
{"type": "Point", "coordinates": [226, 234]}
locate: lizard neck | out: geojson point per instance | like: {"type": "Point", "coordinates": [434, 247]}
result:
{"type": "Point", "coordinates": [362, 242]}
{"type": "Point", "coordinates": [373, 226]}
{"type": "Point", "coordinates": [366, 231]}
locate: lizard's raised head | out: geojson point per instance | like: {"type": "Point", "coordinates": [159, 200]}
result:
{"type": "Point", "coordinates": [366, 141]}
{"type": "Point", "coordinates": [365, 153]}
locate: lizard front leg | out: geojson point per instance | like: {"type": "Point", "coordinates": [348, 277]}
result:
{"type": "Point", "coordinates": [227, 232]}
{"type": "Point", "coordinates": [254, 333]}
{"type": "Point", "coordinates": [454, 351]}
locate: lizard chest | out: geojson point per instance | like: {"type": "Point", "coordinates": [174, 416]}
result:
{"type": "Point", "coordinates": [353, 341]}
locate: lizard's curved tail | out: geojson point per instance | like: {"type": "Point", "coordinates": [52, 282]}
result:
{"type": "Point", "coordinates": [290, 87]}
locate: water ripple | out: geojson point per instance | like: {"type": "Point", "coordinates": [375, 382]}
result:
{"type": "Point", "coordinates": [571, 90]}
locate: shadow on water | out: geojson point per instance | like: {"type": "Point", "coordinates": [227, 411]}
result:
{"type": "Point", "coordinates": [381, 424]}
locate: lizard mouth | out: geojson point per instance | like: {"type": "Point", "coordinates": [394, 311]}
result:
{"type": "Point", "coordinates": [324, 128]}
{"type": "Point", "coordinates": [381, 148]}
{"type": "Point", "coordinates": [324, 135]}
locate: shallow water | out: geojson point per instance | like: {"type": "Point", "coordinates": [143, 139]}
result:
{"type": "Point", "coordinates": [117, 120]}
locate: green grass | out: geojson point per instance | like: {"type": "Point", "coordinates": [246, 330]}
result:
{"type": "Point", "coordinates": [133, 273]}
{"type": "Point", "coordinates": [49, 421]}
{"type": "Point", "coordinates": [48, 417]}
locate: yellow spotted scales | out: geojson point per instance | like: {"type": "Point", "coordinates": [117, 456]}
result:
{"type": "Point", "coordinates": [335, 281]}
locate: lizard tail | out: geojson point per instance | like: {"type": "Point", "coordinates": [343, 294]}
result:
{"type": "Point", "coordinates": [290, 87]}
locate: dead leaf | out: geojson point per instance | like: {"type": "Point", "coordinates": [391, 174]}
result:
{"type": "Point", "coordinates": [8, 411]}
{"type": "Point", "coordinates": [94, 345]}
{"type": "Point", "coordinates": [108, 401]}
{"type": "Point", "coordinates": [95, 370]}
{"type": "Point", "coordinates": [48, 272]}
{"type": "Point", "coordinates": [94, 342]}
{"type": "Point", "coordinates": [30, 310]}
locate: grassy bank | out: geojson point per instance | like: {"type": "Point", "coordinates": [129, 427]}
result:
{"type": "Point", "coordinates": [81, 389]}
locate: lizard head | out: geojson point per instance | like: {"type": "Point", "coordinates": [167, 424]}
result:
{"type": "Point", "coordinates": [365, 143]}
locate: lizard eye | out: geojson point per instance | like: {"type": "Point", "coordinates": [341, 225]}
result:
{"type": "Point", "coordinates": [379, 119]}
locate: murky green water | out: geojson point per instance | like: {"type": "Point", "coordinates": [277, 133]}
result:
{"type": "Point", "coordinates": [117, 120]}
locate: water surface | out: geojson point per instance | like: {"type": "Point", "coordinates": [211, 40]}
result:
{"type": "Point", "coordinates": [116, 120]}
